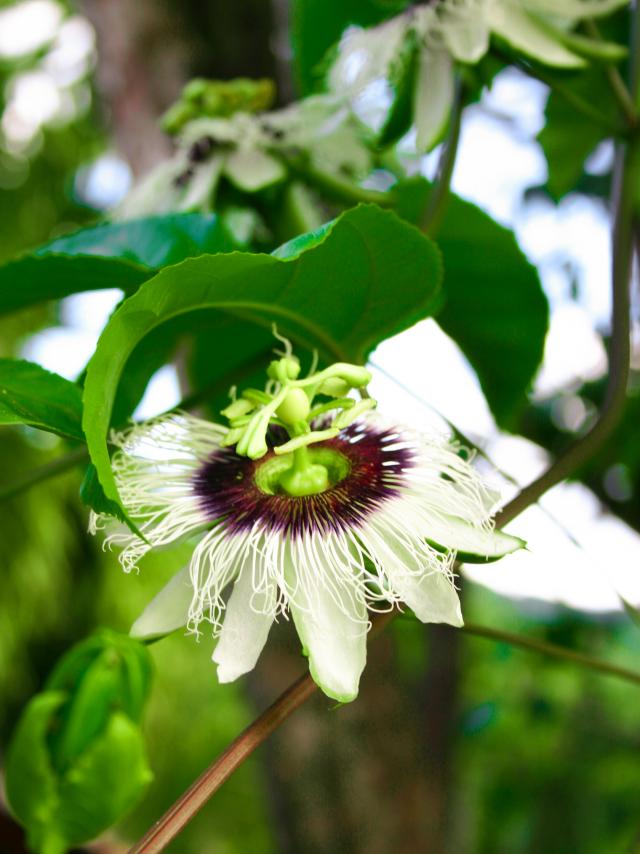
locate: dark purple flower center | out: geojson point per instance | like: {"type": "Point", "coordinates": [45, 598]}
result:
{"type": "Point", "coordinates": [367, 470]}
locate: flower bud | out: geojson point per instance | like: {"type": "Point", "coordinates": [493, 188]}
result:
{"type": "Point", "coordinates": [82, 730]}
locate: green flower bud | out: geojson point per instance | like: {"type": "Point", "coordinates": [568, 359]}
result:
{"type": "Point", "coordinates": [76, 763]}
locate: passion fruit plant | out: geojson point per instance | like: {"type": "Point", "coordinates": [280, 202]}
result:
{"type": "Point", "coordinates": [303, 228]}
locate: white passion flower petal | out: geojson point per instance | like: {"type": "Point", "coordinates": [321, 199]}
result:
{"type": "Point", "coordinates": [432, 597]}
{"type": "Point", "coordinates": [471, 542]}
{"type": "Point", "coordinates": [464, 29]}
{"type": "Point", "coordinates": [156, 193]}
{"type": "Point", "coordinates": [575, 9]}
{"type": "Point", "coordinates": [433, 98]}
{"type": "Point", "coordinates": [331, 621]}
{"type": "Point", "coordinates": [167, 611]}
{"type": "Point", "coordinates": [524, 32]}
{"type": "Point", "coordinates": [366, 55]}
{"type": "Point", "coordinates": [251, 169]}
{"type": "Point", "coordinates": [201, 186]}
{"type": "Point", "coordinates": [248, 618]}
{"type": "Point", "coordinates": [423, 582]}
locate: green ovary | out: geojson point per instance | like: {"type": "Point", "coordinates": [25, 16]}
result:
{"type": "Point", "coordinates": [307, 471]}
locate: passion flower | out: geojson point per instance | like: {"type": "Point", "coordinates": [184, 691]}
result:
{"type": "Point", "coordinates": [308, 504]}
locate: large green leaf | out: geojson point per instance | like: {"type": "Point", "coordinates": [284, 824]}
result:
{"type": "Point", "coordinates": [364, 277]}
{"type": "Point", "coordinates": [318, 24]}
{"type": "Point", "coordinates": [119, 255]}
{"type": "Point", "coordinates": [154, 241]}
{"type": "Point", "coordinates": [31, 395]}
{"type": "Point", "coordinates": [568, 136]}
{"type": "Point", "coordinates": [493, 304]}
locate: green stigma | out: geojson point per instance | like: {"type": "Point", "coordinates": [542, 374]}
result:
{"type": "Point", "coordinates": [294, 404]}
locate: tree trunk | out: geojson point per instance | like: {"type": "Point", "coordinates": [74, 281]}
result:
{"type": "Point", "coordinates": [372, 776]}
{"type": "Point", "coordinates": [141, 69]}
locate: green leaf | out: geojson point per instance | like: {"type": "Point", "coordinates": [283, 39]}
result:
{"type": "Point", "coordinates": [316, 25]}
{"type": "Point", "coordinates": [366, 276]}
{"type": "Point", "coordinates": [154, 241]}
{"type": "Point", "coordinates": [243, 367]}
{"type": "Point", "coordinates": [32, 279]}
{"type": "Point", "coordinates": [92, 494]}
{"type": "Point", "coordinates": [149, 356]}
{"type": "Point", "coordinates": [568, 136]}
{"type": "Point", "coordinates": [119, 255]}
{"type": "Point", "coordinates": [493, 305]}
{"type": "Point", "coordinates": [31, 395]}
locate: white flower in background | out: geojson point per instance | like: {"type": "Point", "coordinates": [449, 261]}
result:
{"type": "Point", "coordinates": [251, 151]}
{"type": "Point", "coordinates": [322, 511]}
{"type": "Point", "coordinates": [443, 33]}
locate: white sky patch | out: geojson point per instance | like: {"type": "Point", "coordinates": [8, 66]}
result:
{"type": "Point", "coordinates": [66, 349]}
{"type": "Point", "coordinates": [26, 27]}
{"type": "Point", "coordinates": [162, 393]}
{"type": "Point", "coordinates": [72, 53]}
{"type": "Point", "coordinates": [90, 311]}
{"type": "Point", "coordinates": [61, 349]}
{"type": "Point", "coordinates": [517, 100]}
{"type": "Point", "coordinates": [432, 366]}
{"type": "Point", "coordinates": [588, 575]}
{"type": "Point", "coordinates": [574, 352]}
{"type": "Point", "coordinates": [571, 241]}
{"type": "Point", "coordinates": [600, 161]}
{"type": "Point", "coordinates": [105, 182]}
{"type": "Point", "coordinates": [494, 168]}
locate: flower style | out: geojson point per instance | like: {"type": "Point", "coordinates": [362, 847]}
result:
{"type": "Point", "coordinates": [313, 507]}
{"type": "Point", "coordinates": [438, 35]}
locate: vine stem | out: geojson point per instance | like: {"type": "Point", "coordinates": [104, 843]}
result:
{"type": "Point", "coordinates": [340, 189]}
{"type": "Point", "coordinates": [437, 202]}
{"type": "Point", "coordinates": [616, 83]}
{"type": "Point", "coordinates": [553, 650]}
{"type": "Point", "coordinates": [195, 797]}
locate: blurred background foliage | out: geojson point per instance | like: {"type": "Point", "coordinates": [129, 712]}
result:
{"type": "Point", "coordinates": [530, 755]}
